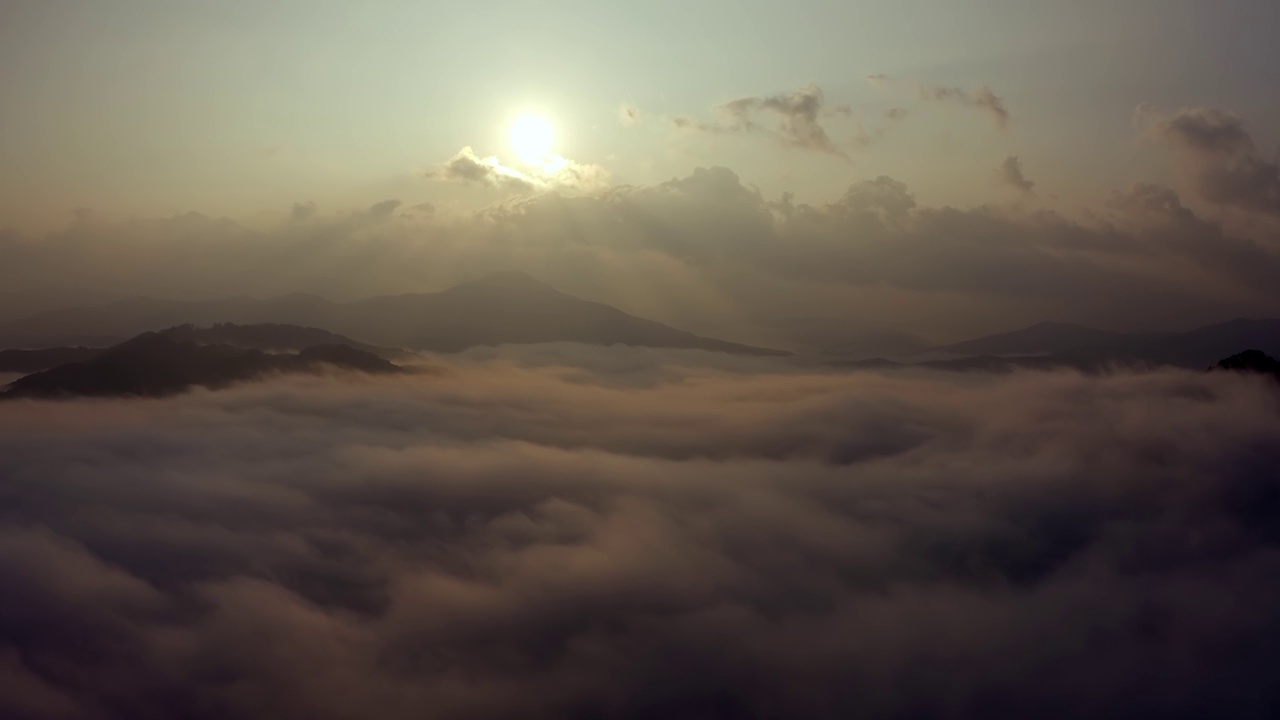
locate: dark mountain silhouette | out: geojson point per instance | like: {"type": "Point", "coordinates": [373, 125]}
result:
{"type": "Point", "coordinates": [508, 307]}
{"type": "Point", "coordinates": [1254, 361]}
{"type": "Point", "coordinates": [1200, 347]}
{"type": "Point", "coordinates": [1194, 349]}
{"type": "Point", "coordinates": [154, 365]}
{"type": "Point", "coordinates": [269, 337]}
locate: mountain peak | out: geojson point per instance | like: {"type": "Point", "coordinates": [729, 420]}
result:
{"type": "Point", "coordinates": [155, 365]}
{"type": "Point", "coordinates": [1251, 361]}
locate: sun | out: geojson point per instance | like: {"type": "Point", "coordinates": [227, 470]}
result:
{"type": "Point", "coordinates": [532, 138]}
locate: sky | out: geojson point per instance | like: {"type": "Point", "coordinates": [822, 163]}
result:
{"type": "Point", "coordinates": [770, 173]}
{"type": "Point", "coordinates": [243, 108]}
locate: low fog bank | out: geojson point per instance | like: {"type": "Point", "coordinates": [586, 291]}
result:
{"type": "Point", "coordinates": [557, 533]}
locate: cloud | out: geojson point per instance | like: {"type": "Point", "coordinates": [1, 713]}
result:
{"type": "Point", "coordinates": [557, 173]}
{"type": "Point", "coordinates": [797, 116]}
{"type": "Point", "coordinates": [1204, 129]}
{"type": "Point", "coordinates": [302, 211]}
{"type": "Point", "coordinates": [795, 119]}
{"type": "Point", "coordinates": [467, 167]}
{"type": "Point", "coordinates": [1219, 157]}
{"type": "Point", "coordinates": [629, 114]}
{"type": "Point", "coordinates": [982, 99]}
{"type": "Point", "coordinates": [708, 253]}
{"type": "Point", "coordinates": [1152, 199]}
{"type": "Point", "coordinates": [647, 535]}
{"type": "Point", "coordinates": [1010, 173]}
{"type": "Point", "coordinates": [381, 210]}
{"type": "Point", "coordinates": [864, 138]}
{"type": "Point", "coordinates": [563, 173]}
{"type": "Point", "coordinates": [1251, 183]}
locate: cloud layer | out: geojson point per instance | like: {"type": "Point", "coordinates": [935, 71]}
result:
{"type": "Point", "coordinates": [710, 253]}
{"type": "Point", "coordinates": [796, 115]}
{"type": "Point", "coordinates": [616, 534]}
{"type": "Point", "coordinates": [1010, 173]}
{"type": "Point", "coordinates": [468, 167]}
{"type": "Point", "coordinates": [1219, 156]}
{"type": "Point", "coordinates": [557, 173]}
{"type": "Point", "coordinates": [983, 99]}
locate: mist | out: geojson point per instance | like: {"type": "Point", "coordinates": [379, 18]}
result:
{"type": "Point", "coordinates": [567, 532]}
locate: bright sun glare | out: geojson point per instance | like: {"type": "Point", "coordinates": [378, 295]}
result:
{"type": "Point", "coordinates": [532, 138]}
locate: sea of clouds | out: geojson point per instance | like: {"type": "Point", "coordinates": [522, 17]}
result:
{"type": "Point", "coordinates": [569, 533]}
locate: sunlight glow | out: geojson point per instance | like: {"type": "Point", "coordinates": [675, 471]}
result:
{"type": "Point", "coordinates": [532, 138]}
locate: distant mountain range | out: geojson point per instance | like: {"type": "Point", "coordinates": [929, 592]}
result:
{"type": "Point", "coordinates": [1056, 344]}
{"type": "Point", "coordinates": [1045, 338]}
{"type": "Point", "coordinates": [514, 308]}
{"type": "Point", "coordinates": [507, 307]}
{"type": "Point", "coordinates": [155, 364]}
{"type": "Point", "coordinates": [1053, 345]}
{"type": "Point", "coordinates": [268, 337]}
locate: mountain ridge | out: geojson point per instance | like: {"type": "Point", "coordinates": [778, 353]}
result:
{"type": "Point", "coordinates": [1250, 361]}
{"type": "Point", "coordinates": [1044, 337]}
{"type": "Point", "coordinates": [1192, 349]}
{"type": "Point", "coordinates": [495, 309]}
{"type": "Point", "coordinates": [156, 365]}
{"type": "Point", "coordinates": [267, 337]}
